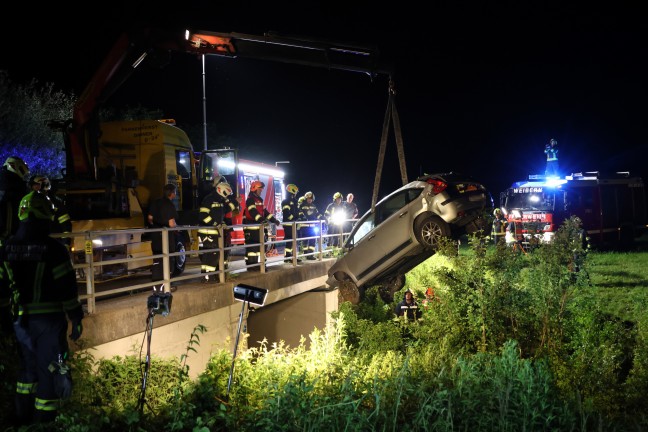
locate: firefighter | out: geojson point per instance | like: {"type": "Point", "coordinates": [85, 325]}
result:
{"type": "Point", "coordinates": [498, 230]}
{"type": "Point", "coordinates": [38, 273]}
{"type": "Point", "coordinates": [311, 213]}
{"type": "Point", "coordinates": [551, 150]}
{"type": "Point", "coordinates": [255, 213]}
{"type": "Point", "coordinates": [336, 216]}
{"type": "Point", "coordinates": [212, 216]}
{"type": "Point", "coordinates": [62, 221]}
{"type": "Point", "coordinates": [12, 189]}
{"type": "Point", "coordinates": [290, 214]}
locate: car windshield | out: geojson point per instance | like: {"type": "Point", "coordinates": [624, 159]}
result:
{"type": "Point", "coordinates": [384, 209]}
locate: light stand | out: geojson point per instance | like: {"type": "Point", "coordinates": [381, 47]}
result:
{"type": "Point", "coordinates": [246, 294]}
{"type": "Point", "coordinates": [158, 303]}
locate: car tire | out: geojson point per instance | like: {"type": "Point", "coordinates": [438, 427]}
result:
{"type": "Point", "coordinates": [429, 230]}
{"type": "Point", "coordinates": [391, 287]}
{"type": "Point", "coordinates": [348, 291]}
{"type": "Point", "coordinates": [179, 261]}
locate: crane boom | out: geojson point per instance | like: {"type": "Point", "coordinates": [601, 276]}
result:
{"type": "Point", "coordinates": [133, 48]}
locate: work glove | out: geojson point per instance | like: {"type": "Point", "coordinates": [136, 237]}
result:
{"type": "Point", "coordinates": [77, 329]}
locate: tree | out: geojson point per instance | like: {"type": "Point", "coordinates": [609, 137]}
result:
{"type": "Point", "coordinates": [24, 113]}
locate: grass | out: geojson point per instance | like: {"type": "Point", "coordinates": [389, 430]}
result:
{"type": "Point", "coordinates": [620, 280]}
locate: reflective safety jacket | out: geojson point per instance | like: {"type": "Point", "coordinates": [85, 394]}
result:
{"type": "Point", "coordinates": [39, 273]}
{"type": "Point", "coordinates": [213, 210]}
{"type": "Point", "coordinates": [255, 212]}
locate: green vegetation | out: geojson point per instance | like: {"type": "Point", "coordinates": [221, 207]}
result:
{"type": "Point", "coordinates": [556, 339]}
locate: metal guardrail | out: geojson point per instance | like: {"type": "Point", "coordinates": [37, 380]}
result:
{"type": "Point", "coordinates": [87, 268]}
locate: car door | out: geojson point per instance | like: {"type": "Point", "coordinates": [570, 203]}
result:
{"type": "Point", "coordinates": [364, 250]}
{"type": "Point", "coordinates": [391, 237]}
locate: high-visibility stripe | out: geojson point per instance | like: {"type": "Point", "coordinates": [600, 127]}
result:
{"type": "Point", "coordinates": [26, 388]}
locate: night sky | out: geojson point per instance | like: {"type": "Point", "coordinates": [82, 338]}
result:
{"type": "Point", "coordinates": [480, 88]}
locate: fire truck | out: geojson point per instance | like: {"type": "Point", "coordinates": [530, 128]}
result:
{"type": "Point", "coordinates": [114, 169]}
{"type": "Point", "coordinates": [611, 206]}
{"type": "Point", "coordinates": [240, 173]}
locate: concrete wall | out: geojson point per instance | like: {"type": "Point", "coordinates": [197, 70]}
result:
{"type": "Point", "coordinates": [119, 327]}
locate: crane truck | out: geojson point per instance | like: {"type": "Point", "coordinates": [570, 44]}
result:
{"type": "Point", "coordinates": [114, 169]}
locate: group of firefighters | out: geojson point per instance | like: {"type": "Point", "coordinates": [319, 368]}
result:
{"type": "Point", "coordinates": [220, 203]}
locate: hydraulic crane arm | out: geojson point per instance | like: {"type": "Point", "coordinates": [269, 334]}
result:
{"type": "Point", "coordinates": [132, 49]}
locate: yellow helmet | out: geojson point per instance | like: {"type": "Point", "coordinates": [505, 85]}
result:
{"type": "Point", "coordinates": [497, 211]}
{"type": "Point", "coordinates": [292, 189]}
{"type": "Point", "coordinates": [37, 205]}
{"type": "Point", "coordinates": [17, 166]}
{"type": "Point", "coordinates": [337, 195]}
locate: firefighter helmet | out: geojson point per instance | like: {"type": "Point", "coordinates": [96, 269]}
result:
{"type": "Point", "coordinates": [37, 205]}
{"type": "Point", "coordinates": [255, 185]}
{"type": "Point", "coordinates": [497, 212]}
{"type": "Point", "coordinates": [292, 189]}
{"type": "Point", "coordinates": [337, 195]}
{"type": "Point", "coordinates": [224, 189]}
{"type": "Point", "coordinates": [310, 195]}
{"type": "Point", "coordinates": [17, 166]}
{"type": "Point", "coordinates": [42, 180]}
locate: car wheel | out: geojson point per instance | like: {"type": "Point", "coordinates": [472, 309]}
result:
{"type": "Point", "coordinates": [180, 261]}
{"type": "Point", "coordinates": [391, 287]}
{"type": "Point", "coordinates": [429, 230]}
{"type": "Point", "coordinates": [348, 291]}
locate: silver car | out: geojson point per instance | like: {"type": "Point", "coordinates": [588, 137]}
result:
{"type": "Point", "coordinates": [404, 230]}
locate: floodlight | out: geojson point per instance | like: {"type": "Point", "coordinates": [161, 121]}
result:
{"type": "Point", "coordinates": [250, 294]}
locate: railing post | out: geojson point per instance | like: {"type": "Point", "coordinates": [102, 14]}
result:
{"type": "Point", "coordinates": [221, 255]}
{"type": "Point", "coordinates": [262, 257]}
{"type": "Point", "coordinates": [89, 258]}
{"type": "Point", "coordinates": [166, 268]}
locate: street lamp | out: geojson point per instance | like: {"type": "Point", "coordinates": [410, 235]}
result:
{"type": "Point", "coordinates": [284, 162]}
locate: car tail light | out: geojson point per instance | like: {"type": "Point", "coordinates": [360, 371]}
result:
{"type": "Point", "coordinates": [437, 185]}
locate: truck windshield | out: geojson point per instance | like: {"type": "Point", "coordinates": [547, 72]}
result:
{"type": "Point", "coordinates": [540, 201]}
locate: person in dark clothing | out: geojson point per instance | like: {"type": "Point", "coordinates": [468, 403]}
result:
{"type": "Point", "coordinates": [351, 209]}
{"type": "Point", "coordinates": [336, 216]}
{"type": "Point", "coordinates": [311, 213]}
{"type": "Point", "coordinates": [62, 221]}
{"type": "Point", "coordinates": [163, 213]}
{"type": "Point", "coordinates": [551, 150]}
{"type": "Point", "coordinates": [12, 189]}
{"type": "Point", "coordinates": [291, 214]}
{"type": "Point", "coordinates": [255, 213]}
{"type": "Point", "coordinates": [408, 307]}
{"type": "Point", "coordinates": [498, 228]}
{"type": "Point", "coordinates": [212, 215]}
{"type": "Point", "coordinates": [37, 274]}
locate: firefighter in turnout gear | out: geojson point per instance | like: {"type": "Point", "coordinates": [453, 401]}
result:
{"type": "Point", "coordinates": [498, 229]}
{"type": "Point", "coordinates": [213, 208]}
{"type": "Point", "coordinates": [311, 213]}
{"type": "Point", "coordinates": [290, 214]}
{"type": "Point", "coordinates": [62, 221]}
{"type": "Point", "coordinates": [255, 213]}
{"type": "Point", "coordinates": [335, 218]}
{"type": "Point", "coordinates": [37, 272]}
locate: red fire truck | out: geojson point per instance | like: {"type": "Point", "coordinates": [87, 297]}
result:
{"type": "Point", "coordinates": [611, 206]}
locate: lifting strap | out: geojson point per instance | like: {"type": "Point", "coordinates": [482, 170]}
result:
{"type": "Point", "coordinates": [390, 114]}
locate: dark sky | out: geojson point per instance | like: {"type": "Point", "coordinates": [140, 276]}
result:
{"type": "Point", "coordinates": [480, 88]}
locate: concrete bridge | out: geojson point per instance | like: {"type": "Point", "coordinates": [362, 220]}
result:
{"type": "Point", "coordinates": [298, 300]}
